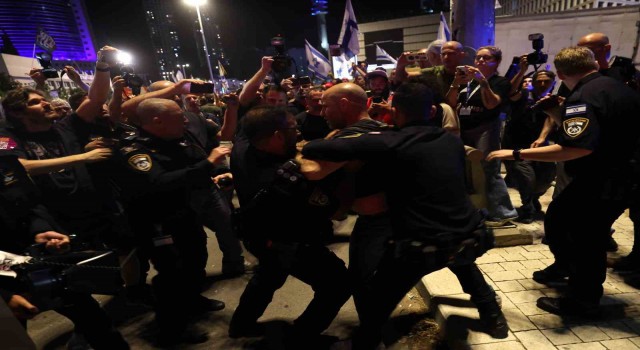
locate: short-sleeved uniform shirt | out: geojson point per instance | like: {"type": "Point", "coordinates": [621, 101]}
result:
{"type": "Point", "coordinates": [600, 114]}
{"type": "Point", "coordinates": [472, 112]}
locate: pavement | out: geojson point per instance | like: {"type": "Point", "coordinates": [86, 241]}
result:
{"type": "Point", "coordinates": [509, 271]}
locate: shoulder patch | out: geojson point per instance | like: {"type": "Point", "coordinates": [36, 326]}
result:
{"type": "Point", "coordinates": [7, 143]}
{"type": "Point", "coordinates": [141, 162]}
{"type": "Point", "coordinates": [575, 126]}
{"type": "Point", "coordinates": [351, 136]}
{"type": "Point", "coordinates": [576, 110]}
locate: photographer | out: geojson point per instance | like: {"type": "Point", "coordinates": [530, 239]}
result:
{"type": "Point", "coordinates": [479, 106]}
{"type": "Point", "coordinates": [23, 222]}
{"type": "Point", "coordinates": [524, 124]}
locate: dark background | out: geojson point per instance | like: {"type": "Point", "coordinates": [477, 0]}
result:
{"type": "Point", "coordinates": [246, 26]}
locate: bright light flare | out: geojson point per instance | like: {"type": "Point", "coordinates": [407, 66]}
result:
{"type": "Point", "coordinates": [124, 57]}
{"type": "Point", "coordinates": [195, 2]}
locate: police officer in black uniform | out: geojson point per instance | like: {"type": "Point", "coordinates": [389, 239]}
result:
{"type": "Point", "coordinates": [23, 222]}
{"type": "Point", "coordinates": [433, 220]}
{"type": "Point", "coordinates": [283, 227]}
{"type": "Point", "coordinates": [157, 174]}
{"type": "Point", "coordinates": [599, 137]}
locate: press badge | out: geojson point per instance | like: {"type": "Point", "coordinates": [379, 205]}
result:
{"type": "Point", "coordinates": [465, 110]}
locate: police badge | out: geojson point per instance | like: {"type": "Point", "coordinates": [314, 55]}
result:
{"type": "Point", "coordinates": [141, 162]}
{"type": "Point", "coordinates": [575, 126]}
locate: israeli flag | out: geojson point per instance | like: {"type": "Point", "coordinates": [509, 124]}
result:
{"type": "Point", "coordinates": [318, 64]}
{"type": "Point", "coordinates": [348, 38]}
{"type": "Point", "coordinates": [382, 55]}
{"type": "Point", "coordinates": [443, 31]}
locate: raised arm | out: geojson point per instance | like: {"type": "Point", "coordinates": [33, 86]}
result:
{"type": "Point", "coordinates": [250, 89]}
{"type": "Point", "coordinates": [99, 90]}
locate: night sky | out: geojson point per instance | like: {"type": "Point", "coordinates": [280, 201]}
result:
{"type": "Point", "coordinates": [246, 26]}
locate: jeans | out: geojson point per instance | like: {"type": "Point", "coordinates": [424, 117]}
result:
{"type": "Point", "coordinates": [486, 138]}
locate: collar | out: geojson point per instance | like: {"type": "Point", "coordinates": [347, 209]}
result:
{"type": "Point", "coordinates": [586, 79]}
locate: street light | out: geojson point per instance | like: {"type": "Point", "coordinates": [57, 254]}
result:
{"type": "Point", "coordinates": [197, 4]}
{"type": "Point", "coordinates": [183, 67]}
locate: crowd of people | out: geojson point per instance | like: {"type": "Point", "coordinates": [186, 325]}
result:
{"type": "Point", "coordinates": [143, 175]}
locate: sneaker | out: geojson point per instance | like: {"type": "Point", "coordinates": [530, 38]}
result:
{"type": "Point", "coordinates": [568, 307]}
{"type": "Point", "coordinates": [553, 274]}
{"type": "Point", "coordinates": [493, 222]}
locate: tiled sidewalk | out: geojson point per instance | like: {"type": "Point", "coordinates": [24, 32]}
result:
{"type": "Point", "coordinates": [509, 270]}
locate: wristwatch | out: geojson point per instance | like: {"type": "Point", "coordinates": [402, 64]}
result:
{"type": "Point", "coordinates": [516, 154]}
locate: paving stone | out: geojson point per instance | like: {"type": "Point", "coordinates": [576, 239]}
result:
{"type": "Point", "coordinates": [616, 329]}
{"type": "Point", "coordinates": [635, 340]}
{"type": "Point", "coordinates": [536, 247]}
{"type": "Point", "coordinates": [534, 340]}
{"type": "Point", "coordinates": [533, 264]}
{"type": "Point", "coordinates": [547, 254]}
{"type": "Point", "coordinates": [530, 284]}
{"type": "Point", "coordinates": [624, 288]}
{"type": "Point", "coordinates": [442, 282]}
{"type": "Point", "coordinates": [528, 273]}
{"type": "Point", "coordinates": [526, 296]}
{"type": "Point", "coordinates": [619, 344]}
{"type": "Point", "coordinates": [506, 303]}
{"type": "Point", "coordinates": [582, 346]}
{"type": "Point", "coordinates": [517, 320]}
{"type": "Point", "coordinates": [512, 265]}
{"type": "Point", "coordinates": [547, 321]}
{"type": "Point", "coordinates": [533, 255]}
{"type": "Point", "coordinates": [505, 276]}
{"type": "Point", "coordinates": [507, 345]}
{"type": "Point", "coordinates": [513, 250]}
{"type": "Point", "coordinates": [488, 259]}
{"type": "Point", "coordinates": [530, 309]}
{"type": "Point", "coordinates": [588, 332]}
{"type": "Point", "coordinates": [547, 262]}
{"type": "Point", "coordinates": [633, 323]}
{"type": "Point", "coordinates": [510, 286]}
{"type": "Point", "coordinates": [494, 267]}
{"type": "Point", "coordinates": [513, 256]}
{"type": "Point", "coordinates": [561, 336]}
{"type": "Point", "coordinates": [628, 298]}
{"type": "Point", "coordinates": [551, 292]}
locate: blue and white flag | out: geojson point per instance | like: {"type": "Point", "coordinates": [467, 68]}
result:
{"type": "Point", "coordinates": [318, 64]}
{"type": "Point", "coordinates": [45, 41]}
{"type": "Point", "coordinates": [348, 38]}
{"type": "Point", "coordinates": [443, 31]}
{"type": "Point", "coordinates": [382, 55]}
{"type": "Point", "coordinates": [342, 66]}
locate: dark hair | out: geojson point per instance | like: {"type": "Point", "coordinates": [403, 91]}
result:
{"type": "Point", "coordinates": [16, 100]}
{"type": "Point", "coordinates": [273, 87]}
{"type": "Point", "coordinates": [414, 100]}
{"type": "Point", "coordinates": [548, 73]}
{"type": "Point", "coordinates": [76, 99]}
{"type": "Point", "coordinates": [261, 122]}
{"type": "Point", "coordinates": [431, 82]}
{"type": "Point", "coordinates": [494, 50]}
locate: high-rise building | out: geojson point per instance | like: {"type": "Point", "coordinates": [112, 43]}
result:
{"type": "Point", "coordinates": [64, 20]}
{"type": "Point", "coordinates": [214, 41]}
{"type": "Point", "coordinates": [528, 7]}
{"type": "Point", "coordinates": [164, 35]}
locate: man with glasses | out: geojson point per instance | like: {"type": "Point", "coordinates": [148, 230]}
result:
{"type": "Point", "coordinates": [310, 122]}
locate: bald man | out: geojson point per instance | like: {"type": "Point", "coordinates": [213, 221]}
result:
{"type": "Point", "coordinates": [599, 44]}
{"type": "Point", "coordinates": [344, 106]}
{"type": "Point", "coordinates": [158, 174]}
{"type": "Point", "coordinates": [452, 53]}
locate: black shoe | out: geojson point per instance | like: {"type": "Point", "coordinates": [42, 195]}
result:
{"type": "Point", "coordinates": [190, 335]}
{"type": "Point", "coordinates": [568, 307]}
{"type": "Point", "coordinates": [205, 304]}
{"type": "Point", "coordinates": [247, 330]}
{"type": "Point", "coordinates": [553, 274]}
{"type": "Point", "coordinates": [495, 324]}
{"type": "Point", "coordinates": [524, 219]}
{"type": "Point", "coordinates": [630, 262]}
{"type": "Point", "coordinates": [612, 245]}
{"type": "Point", "coordinates": [237, 269]}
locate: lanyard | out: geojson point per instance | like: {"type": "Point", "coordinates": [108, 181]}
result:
{"type": "Point", "coordinates": [466, 103]}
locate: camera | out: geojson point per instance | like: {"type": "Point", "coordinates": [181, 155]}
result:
{"type": "Point", "coordinates": [47, 278]}
{"type": "Point", "coordinates": [537, 57]}
{"type": "Point", "coordinates": [417, 56]}
{"type": "Point", "coordinates": [48, 71]}
{"type": "Point", "coordinates": [131, 80]}
{"type": "Point", "coordinates": [281, 61]}
{"type": "Point", "coordinates": [551, 102]}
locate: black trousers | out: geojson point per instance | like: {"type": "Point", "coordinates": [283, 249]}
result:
{"type": "Point", "coordinates": [577, 225]}
{"type": "Point", "coordinates": [92, 322]}
{"type": "Point", "coordinates": [313, 264]}
{"type": "Point", "coordinates": [532, 179]}
{"type": "Point", "coordinates": [396, 275]}
{"type": "Point", "coordinates": [367, 246]}
{"type": "Point", "coordinates": [181, 271]}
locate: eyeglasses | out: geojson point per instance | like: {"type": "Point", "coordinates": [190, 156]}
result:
{"type": "Point", "coordinates": [485, 57]}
